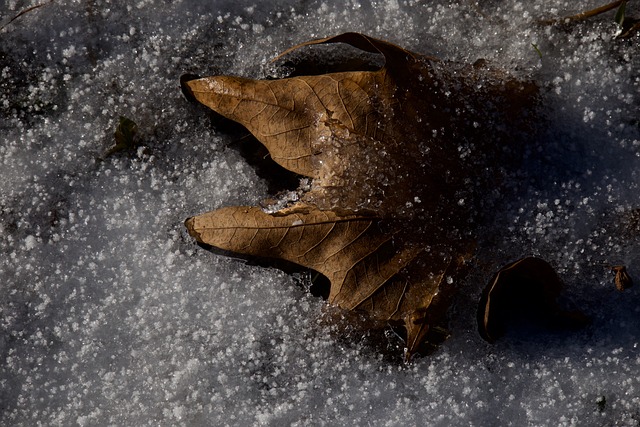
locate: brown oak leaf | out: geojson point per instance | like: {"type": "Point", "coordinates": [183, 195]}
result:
{"type": "Point", "coordinates": [398, 160]}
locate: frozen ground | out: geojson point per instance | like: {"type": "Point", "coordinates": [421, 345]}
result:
{"type": "Point", "coordinates": [110, 315]}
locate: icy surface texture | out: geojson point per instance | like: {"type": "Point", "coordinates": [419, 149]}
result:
{"type": "Point", "coordinates": [110, 315]}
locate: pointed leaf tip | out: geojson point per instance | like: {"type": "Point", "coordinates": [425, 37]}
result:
{"type": "Point", "coordinates": [186, 89]}
{"type": "Point", "coordinates": [190, 225]}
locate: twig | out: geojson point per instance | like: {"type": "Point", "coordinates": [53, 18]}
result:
{"type": "Point", "coordinates": [23, 11]}
{"type": "Point", "coordinates": [584, 15]}
{"type": "Point", "coordinates": [628, 33]}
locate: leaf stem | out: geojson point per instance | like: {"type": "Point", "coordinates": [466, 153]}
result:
{"type": "Point", "coordinates": [584, 15]}
{"type": "Point", "coordinates": [628, 33]}
{"type": "Point", "coordinates": [23, 11]}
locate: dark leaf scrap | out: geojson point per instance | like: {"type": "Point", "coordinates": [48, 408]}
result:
{"type": "Point", "coordinates": [525, 291]}
{"type": "Point", "coordinates": [126, 137]}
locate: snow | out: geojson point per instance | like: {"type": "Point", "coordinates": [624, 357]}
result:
{"type": "Point", "coordinates": [111, 315]}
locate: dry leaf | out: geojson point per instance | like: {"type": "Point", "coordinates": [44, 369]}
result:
{"type": "Point", "coordinates": [393, 155]}
{"type": "Point", "coordinates": [622, 279]}
{"type": "Point", "coordinates": [525, 291]}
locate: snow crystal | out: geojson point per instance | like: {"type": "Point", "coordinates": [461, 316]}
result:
{"type": "Point", "coordinates": [30, 242]}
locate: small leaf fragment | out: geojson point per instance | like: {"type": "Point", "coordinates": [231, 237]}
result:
{"type": "Point", "coordinates": [622, 279]}
{"type": "Point", "coordinates": [125, 133]}
{"type": "Point", "coordinates": [523, 291]}
{"type": "Point", "coordinates": [125, 136]}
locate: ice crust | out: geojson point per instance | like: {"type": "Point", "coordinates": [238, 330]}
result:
{"type": "Point", "coordinates": [111, 315]}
